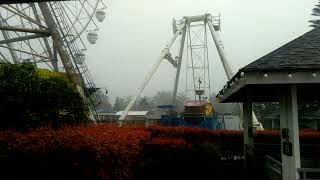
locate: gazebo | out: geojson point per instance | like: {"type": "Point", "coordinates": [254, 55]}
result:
{"type": "Point", "coordinates": [289, 75]}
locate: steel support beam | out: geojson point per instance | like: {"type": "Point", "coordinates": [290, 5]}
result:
{"type": "Point", "coordinates": [27, 30]}
{"type": "Point", "coordinates": [171, 60]}
{"type": "Point", "coordinates": [45, 39]}
{"type": "Point", "coordinates": [220, 49]}
{"type": "Point", "coordinates": [23, 38]}
{"type": "Point", "coordinates": [9, 45]}
{"type": "Point", "coordinates": [21, 14]}
{"type": "Point", "coordinates": [226, 66]}
{"type": "Point", "coordinates": [25, 1]}
{"type": "Point", "coordinates": [150, 74]}
{"type": "Point", "coordinates": [57, 41]}
{"type": "Point", "coordinates": [62, 51]}
{"type": "Point", "coordinates": [176, 82]}
{"type": "Point", "coordinates": [18, 50]}
{"type": "Point", "coordinates": [290, 133]}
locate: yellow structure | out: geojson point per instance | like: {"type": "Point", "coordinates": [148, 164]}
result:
{"type": "Point", "coordinates": [45, 73]}
{"type": "Point", "coordinates": [197, 107]}
{"type": "Point", "coordinates": [207, 108]}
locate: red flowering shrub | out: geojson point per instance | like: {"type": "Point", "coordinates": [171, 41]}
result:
{"type": "Point", "coordinates": [112, 152]}
{"type": "Point", "coordinates": [89, 152]}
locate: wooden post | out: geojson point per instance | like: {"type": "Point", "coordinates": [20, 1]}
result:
{"type": "Point", "coordinates": [290, 146]}
{"type": "Point", "coordinates": [247, 131]}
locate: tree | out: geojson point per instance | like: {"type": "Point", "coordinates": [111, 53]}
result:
{"type": "Point", "coordinates": [315, 12]}
{"type": "Point", "coordinates": [165, 97]}
{"type": "Point", "coordinates": [121, 103]}
{"type": "Point", "coordinates": [29, 100]}
{"type": "Point", "coordinates": [144, 104]}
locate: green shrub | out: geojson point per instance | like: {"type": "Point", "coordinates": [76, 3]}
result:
{"type": "Point", "coordinates": [28, 101]}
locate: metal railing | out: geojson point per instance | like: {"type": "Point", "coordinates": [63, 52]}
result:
{"type": "Point", "coordinates": [309, 173]}
{"type": "Point", "coordinates": [73, 48]}
{"type": "Point", "coordinates": [274, 166]}
{"type": "Point", "coordinates": [146, 122]}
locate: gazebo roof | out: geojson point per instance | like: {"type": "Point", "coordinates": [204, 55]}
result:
{"type": "Point", "coordinates": [303, 53]}
{"type": "Point", "coordinates": [297, 62]}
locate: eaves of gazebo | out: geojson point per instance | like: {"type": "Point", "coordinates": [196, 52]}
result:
{"type": "Point", "coordinates": [297, 62]}
{"type": "Point", "coordinates": [288, 75]}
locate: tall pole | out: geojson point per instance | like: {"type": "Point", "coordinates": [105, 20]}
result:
{"type": "Point", "coordinates": [45, 39]}
{"type": "Point", "coordinates": [176, 82]}
{"type": "Point", "coordinates": [58, 43]}
{"type": "Point", "coordinates": [226, 66]}
{"type": "Point", "coordinates": [153, 70]}
{"type": "Point", "coordinates": [60, 48]}
{"type": "Point", "coordinates": [220, 49]}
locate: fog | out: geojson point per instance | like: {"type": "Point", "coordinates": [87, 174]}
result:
{"type": "Point", "coordinates": [135, 32]}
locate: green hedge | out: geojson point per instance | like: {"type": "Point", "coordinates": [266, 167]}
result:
{"type": "Point", "coordinates": [28, 101]}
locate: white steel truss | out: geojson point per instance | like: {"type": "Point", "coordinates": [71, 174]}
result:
{"type": "Point", "coordinates": [196, 28]}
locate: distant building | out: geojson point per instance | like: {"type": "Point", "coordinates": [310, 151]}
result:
{"type": "Point", "coordinates": [228, 114]}
{"type": "Point", "coordinates": [133, 118]}
{"type": "Point", "coordinates": [134, 115]}
{"type": "Point", "coordinates": [229, 121]}
{"type": "Point", "coordinates": [107, 117]}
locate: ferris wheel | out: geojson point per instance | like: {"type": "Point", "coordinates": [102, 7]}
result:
{"type": "Point", "coordinates": [53, 35]}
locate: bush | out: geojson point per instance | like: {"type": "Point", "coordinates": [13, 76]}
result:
{"type": "Point", "coordinates": [28, 100]}
{"type": "Point", "coordinates": [112, 152]}
{"type": "Point", "coordinates": [104, 152]}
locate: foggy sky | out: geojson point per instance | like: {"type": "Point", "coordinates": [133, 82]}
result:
{"type": "Point", "coordinates": [135, 32]}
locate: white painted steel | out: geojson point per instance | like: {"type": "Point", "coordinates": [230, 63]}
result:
{"type": "Point", "coordinates": [176, 82]}
{"type": "Point", "coordinates": [197, 18]}
{"type": "Point", "coordinates": [153, 70]}
{"type": "Point", "coordinates": [220, 49]}
{"type": "Point", "coordinates": [226, 66]}
{"type": "Point", "coordinates": [289, 120]}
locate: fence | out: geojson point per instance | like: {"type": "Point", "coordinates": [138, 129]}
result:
{"type": "Point", "coordinates": [145, 122]}
{"type": "Point", "coordinates": [309, 173]}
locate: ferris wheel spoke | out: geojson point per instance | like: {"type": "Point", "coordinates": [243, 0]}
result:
{"type": "Point", "coordinates": [3, 58]}
{"type": "Point", "coordinates": [71, 28]}
{"type": "Point", "coordinates": [22, 51]}
{"type": "Point", "coordinates": [91, 15]}
{"type": "Point", "coordinates": [21, 41]}
{"type": "Point", "coordinates": [13, 15]}
{"type": "Point", "coordinates": [26, 35]}
{"type": "Point", "coordinates": [17, 12]}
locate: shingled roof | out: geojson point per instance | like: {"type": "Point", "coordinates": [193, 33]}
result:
{"type": "Point", "coordinates": [303, 53]}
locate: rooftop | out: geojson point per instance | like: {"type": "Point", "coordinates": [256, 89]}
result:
{"type": "Point", "coordinates": [297, 62]}
{"type": "Point", "coordinates": [302, 53]}
{"type": "Point", "coordinates": [133, 113]}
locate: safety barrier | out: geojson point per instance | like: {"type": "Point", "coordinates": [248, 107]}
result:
{"type": "Point", "coordinates": [309, 173]}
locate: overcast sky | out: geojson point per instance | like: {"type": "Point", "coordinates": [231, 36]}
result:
{"type": "Point", "coordinates": [135, 32]}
